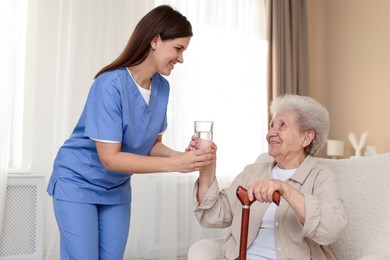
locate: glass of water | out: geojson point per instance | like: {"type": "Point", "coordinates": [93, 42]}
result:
{"type": "Point", "coordinates": [203, 130]}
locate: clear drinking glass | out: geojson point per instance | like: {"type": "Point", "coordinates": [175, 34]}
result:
{"type": "Point", "coordinates": [203, 130]}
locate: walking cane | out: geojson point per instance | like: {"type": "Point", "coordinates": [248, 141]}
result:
{"type": "Point", "coordinates": [242, 195]}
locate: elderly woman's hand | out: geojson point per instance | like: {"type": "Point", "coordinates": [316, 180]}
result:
{"type": "Point", "coordinates": [206, 174]}
{"type": "Point", "coordinates": [263, 189]}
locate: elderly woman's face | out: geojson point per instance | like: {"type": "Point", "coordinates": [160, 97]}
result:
{"type": "Point", "coordinates": [284, 137]}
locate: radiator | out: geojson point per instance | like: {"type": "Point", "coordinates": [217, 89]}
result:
{"type": "Point", "coordinates": [21, 237]}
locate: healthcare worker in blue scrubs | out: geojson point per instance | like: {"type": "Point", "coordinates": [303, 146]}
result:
{"type": "Point", "coordinates": [119, 133]}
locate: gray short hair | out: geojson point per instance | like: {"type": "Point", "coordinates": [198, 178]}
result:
{"type": "Point", "coordinates": [310, 115]}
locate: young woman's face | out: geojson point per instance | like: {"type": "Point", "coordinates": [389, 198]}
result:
{"type": "Point", "coordinates": [284, 136]}
{"type": "Point", "coordinates": [168, 53]}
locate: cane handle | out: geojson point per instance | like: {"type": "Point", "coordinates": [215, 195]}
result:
{"type": "Point", "coordinates": [242, 195]}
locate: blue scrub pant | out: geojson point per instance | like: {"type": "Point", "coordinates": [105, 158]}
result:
{"type": "Point", "coordinates": [92, 231]}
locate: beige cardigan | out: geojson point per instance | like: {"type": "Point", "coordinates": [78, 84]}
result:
{"type": "Point", "coordinates": [324, 219]}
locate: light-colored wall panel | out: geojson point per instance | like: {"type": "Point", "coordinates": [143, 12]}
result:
{"type": "Point", "coordinates": [350, 67]}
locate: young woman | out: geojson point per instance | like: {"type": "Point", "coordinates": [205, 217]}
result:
{"type": "Point", "coordinates": [120, 133]}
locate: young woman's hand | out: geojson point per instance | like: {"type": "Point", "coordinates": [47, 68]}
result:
{"type": "Point", "coordinates": [194, 159]}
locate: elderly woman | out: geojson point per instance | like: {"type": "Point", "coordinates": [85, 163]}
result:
{"type": "Point", "coordinates": [311, 215]}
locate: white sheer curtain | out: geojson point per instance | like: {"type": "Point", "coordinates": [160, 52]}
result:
{"type": "Point", "coordinates": [222, 79]}
{"type": "Point", "coordinates": [12, 52]}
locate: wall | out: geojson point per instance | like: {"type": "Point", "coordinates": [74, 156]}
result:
{"type": "Point", "coordinates": [350, 67]}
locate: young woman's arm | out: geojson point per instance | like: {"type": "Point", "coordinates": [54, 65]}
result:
{"type": "Point", "coordinates": [161, 159]}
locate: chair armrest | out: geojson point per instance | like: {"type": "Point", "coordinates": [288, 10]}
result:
{"type": "Point", "coordinates": [206, 249]}
{"type": "Point", "coordinates": [376, 256]}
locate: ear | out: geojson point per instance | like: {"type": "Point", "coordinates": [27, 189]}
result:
{"type": "Point", "coordinates": [155, 41]}
{"type": "Point", "coordinates": [309, 137]}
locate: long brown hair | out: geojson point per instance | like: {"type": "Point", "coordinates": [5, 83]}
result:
{"type": "Point", "coordinates": [162, 20]}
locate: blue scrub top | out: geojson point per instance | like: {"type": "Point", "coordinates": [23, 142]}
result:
{"type": "Point", "coordinates": [115, 110]}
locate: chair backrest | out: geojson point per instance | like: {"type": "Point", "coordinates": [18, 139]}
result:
{"type": "Point", "coordinates": [365, 187]}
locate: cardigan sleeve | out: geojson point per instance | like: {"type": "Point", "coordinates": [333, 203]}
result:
{"type": "Point", "coordinates": [325, 216]}
{"type": "Point", "coordinates": [219, 206]}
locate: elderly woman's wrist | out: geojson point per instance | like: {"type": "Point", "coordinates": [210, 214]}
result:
{"type": "Point", "coordinates": [285, 192]}
{"type": "Point", "coordinates": [206, 178]}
